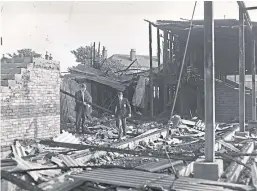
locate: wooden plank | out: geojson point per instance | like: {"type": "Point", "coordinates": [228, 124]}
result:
{"type": "Point", "coordinates": [228, 145]}
{"type": "Point", "coordinates": [234, 169]}
{"type": "Point", "coordinates": [160, 165]}
{"type": "Point", "coordinates": [254, 175]}
{"type": "Point", "coordinates": [151, 72]}
{"type": "Point", "coordinates": [19, 182]}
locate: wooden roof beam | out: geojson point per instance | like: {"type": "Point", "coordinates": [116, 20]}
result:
{"type": "Point", "coordinates": [251, 8]}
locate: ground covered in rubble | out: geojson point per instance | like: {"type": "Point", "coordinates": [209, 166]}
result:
{"type": "Point", "coordinates": [186, 143]}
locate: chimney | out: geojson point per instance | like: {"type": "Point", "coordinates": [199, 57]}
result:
{"type": "Point", "coordinates": [104, 53]}
{"type": "Point", "coordinates": [132, 54]}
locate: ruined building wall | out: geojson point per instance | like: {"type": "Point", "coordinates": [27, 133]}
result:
{"type": "Point", "coordinates": [227, 103]}
{"type": "Point", "coordinates": [30, 100]}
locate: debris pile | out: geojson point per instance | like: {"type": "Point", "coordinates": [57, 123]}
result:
{"type": "Point", "coordinates": [146, 147]}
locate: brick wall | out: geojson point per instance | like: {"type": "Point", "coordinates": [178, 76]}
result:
{"type": "Point", "coordinates": [227, 103]}
{"type": "Point", "coordinates": [30, 107]}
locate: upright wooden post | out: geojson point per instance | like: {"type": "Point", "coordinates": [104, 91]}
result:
{"type": "Point", "coordinates": [151, 70]}
{"type": "Point", "coordinates": [171, 49]}
{"type": "Point", "coordinates": [92, 62]}
{"type": "Point", "coordinates": [253, 81]}
{"type": "Point", "coordinates": [94, 55]}
{"type": "Point", "coordinates": [165, 62]}
{"type": "Point", "coordinates": [209, 82]}
{"type": "Point", "coordinates": [158, 50]}
{"type": "Point", "coordinates": [241, 71]}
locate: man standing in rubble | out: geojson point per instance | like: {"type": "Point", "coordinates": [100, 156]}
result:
{"type": "Point", "coordinates": [122, 111]}
{"type": "Point", "coordinates": [82, 108]}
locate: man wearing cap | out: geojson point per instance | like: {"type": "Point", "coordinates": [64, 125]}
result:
{"type": "Point", "coordinates": [84, 109]}
{"type": "Point", "coordinates": [122, 111]}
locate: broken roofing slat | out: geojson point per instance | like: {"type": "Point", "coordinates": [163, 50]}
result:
{"type": "Point", "coordinates": [18, 150]}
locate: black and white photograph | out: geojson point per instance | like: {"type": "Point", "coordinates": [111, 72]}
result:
{"type": "Point", "coordinates": [128, 95]}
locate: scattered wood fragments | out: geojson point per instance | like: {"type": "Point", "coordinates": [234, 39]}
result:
{"type": "Point", "coordinates": [54, 162]}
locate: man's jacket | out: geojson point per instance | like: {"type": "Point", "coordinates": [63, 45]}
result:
{"type": "Point", "coordinates": [122, 108]}
{"type": "Point", "coordinates": [87, 97]}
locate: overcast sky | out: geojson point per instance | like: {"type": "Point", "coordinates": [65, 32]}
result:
{"type": "Point", "coordinates": [60, 27]}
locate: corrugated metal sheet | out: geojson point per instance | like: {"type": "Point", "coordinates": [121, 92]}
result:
{"type": "Point", "coordinates": [18, 150]}
{"type": "Point", "coordinates": [139, 179]}
{"type": "Point", "coordinates": [67, 137]}
{"type": "Point", "coordinates": [68, 161]}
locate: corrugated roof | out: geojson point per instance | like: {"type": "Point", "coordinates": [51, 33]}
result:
{"type": "Point", "coordinates": [139, 179]}
{"type": "Point", "coordinates": [99, 79]}
{"type": "Point", "coordinates": [142, 62]}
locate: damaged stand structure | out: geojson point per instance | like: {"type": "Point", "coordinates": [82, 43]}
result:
{"type": "Point", "coordinates": [211, 168]}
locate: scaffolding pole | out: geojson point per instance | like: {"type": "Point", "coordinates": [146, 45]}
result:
{"type": "Point", "coordinates": [209, 81]}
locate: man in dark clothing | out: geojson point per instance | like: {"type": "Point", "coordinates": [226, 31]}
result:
{"type": "Point", "coordinates": [122, 111]}
{"type": "Point", "coordinates": [84, 109]}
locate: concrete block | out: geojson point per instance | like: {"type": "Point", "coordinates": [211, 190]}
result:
{"type": "Point", "coordinates": [208, 170]}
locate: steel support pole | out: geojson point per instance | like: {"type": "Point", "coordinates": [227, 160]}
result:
{"type": "Point", "coordinates": [209, 82]}
{"type": "Point", "coordinates": [241, 71]}
{"type": "Point", "coordinates": [158, 50]}
{"type": "Point", "coordinates": [151, 71]}
{"type": "Point", "coordinates": [253, 81]}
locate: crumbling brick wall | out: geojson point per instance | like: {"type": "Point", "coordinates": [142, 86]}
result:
{"type": "Point", "coordinates": [227, 103]}
{"type": "Point", "coordinates": [30, 105]}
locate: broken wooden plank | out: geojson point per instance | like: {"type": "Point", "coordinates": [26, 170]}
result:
{"type": "Point", "coordinates": [25, 165]}
{"type": "Point", "coordinates": [118, 149]}
{"type": "Point", "coordinates": [254, 174]}
{"type": "Point", "coordinates": [22, 165]}
{"type": "Point", "coordinates": [233, 171]}
{"type": "Point", "coordinates": [57, 161]}
{"type": "Point", "coordinates": [159, 165]}
{"type": "Point", "coordinates": [19, 182]}
{"type": "Point", "coordinates": [228, 145]}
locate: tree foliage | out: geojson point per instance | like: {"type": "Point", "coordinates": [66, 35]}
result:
{"type": "Point", "coordinates": [26, 52]}
{"type": "Point", "coordinates": [83, 55]}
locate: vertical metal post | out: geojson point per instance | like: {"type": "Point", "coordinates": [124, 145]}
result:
{"type": "Point", "coordinates": [151, 70]}
{"type": "Point", "coordinates": [209, 82]}
{"type": "Point", "coordinates": [241, 71]}
{"type": "Point", "coordinates": [158, 50]}
{"type": "Point", "coordinates": [253, 81]}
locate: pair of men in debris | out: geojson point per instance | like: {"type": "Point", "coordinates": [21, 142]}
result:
{"type": "Point", "coordinates": [121, 113]}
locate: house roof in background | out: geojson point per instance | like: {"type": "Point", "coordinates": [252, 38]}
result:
{"type": "Point", "coordinates": [142, 62]}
